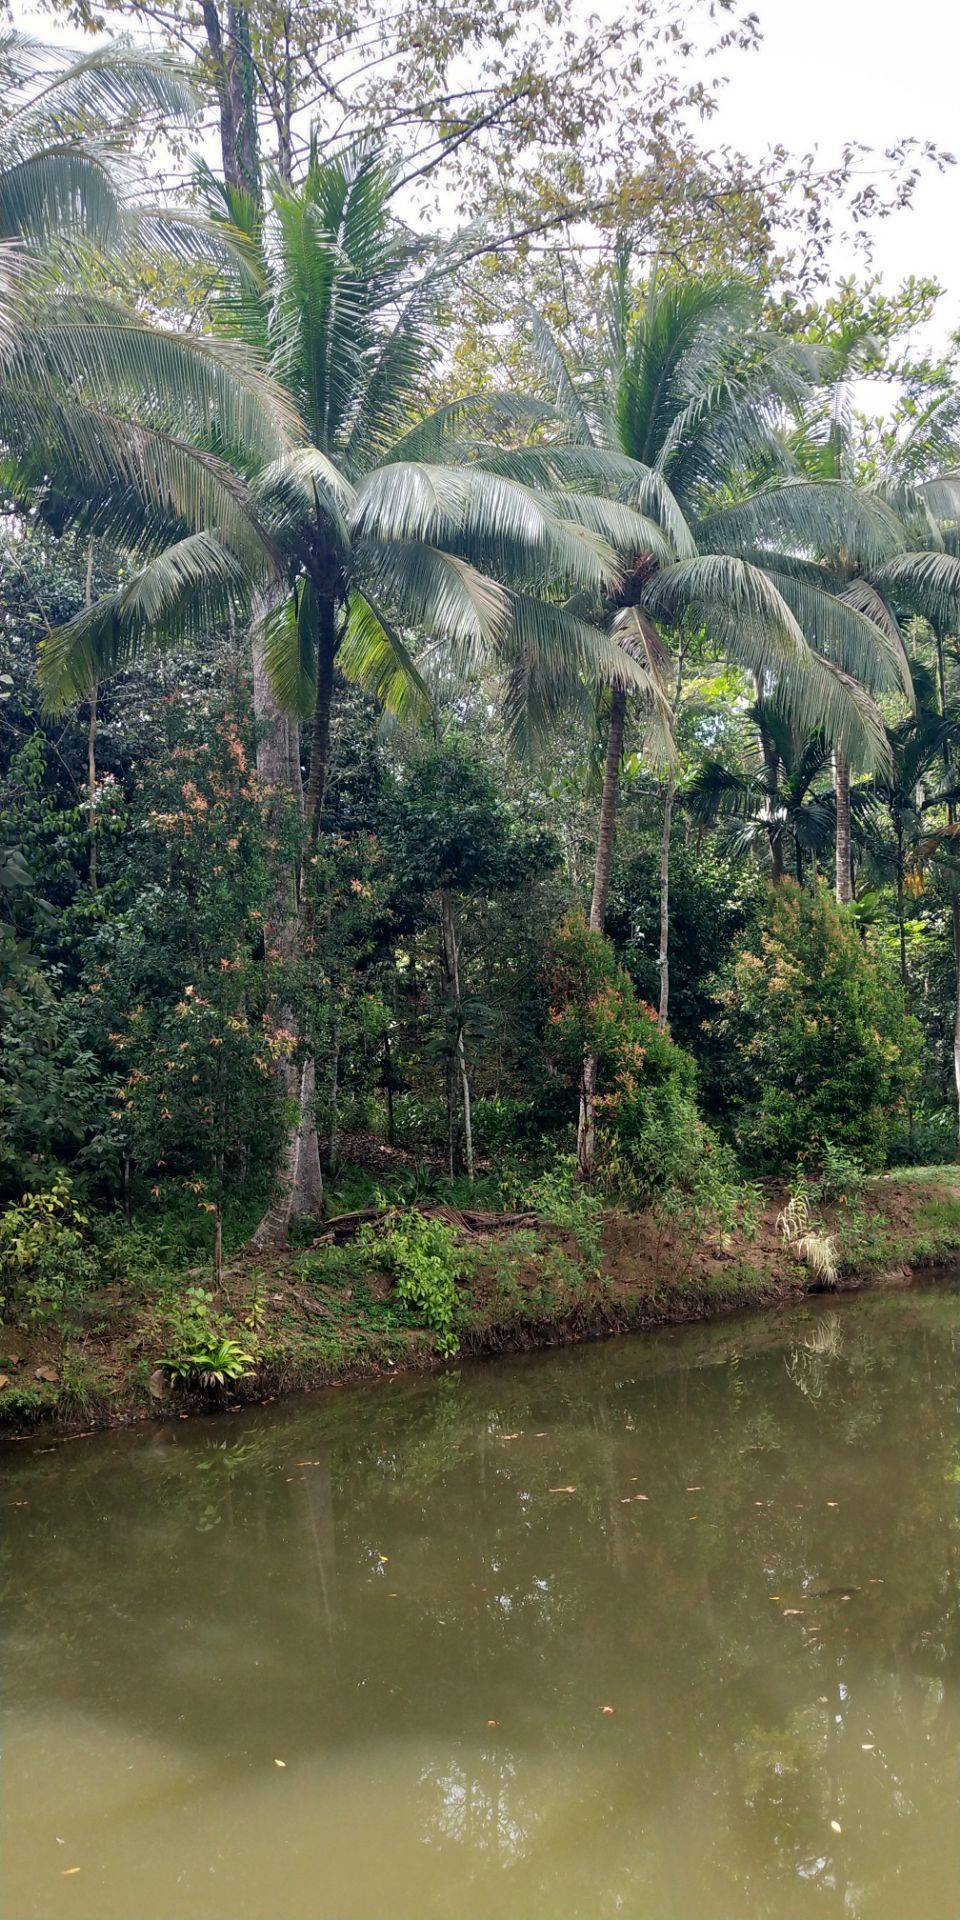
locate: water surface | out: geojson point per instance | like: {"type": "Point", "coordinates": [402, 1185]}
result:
{"type": "Point", "coordinates": [424, 1599]}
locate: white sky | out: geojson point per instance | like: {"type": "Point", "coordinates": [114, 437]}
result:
{"type": "Point", "coordinates": [831, 70]}
{"type": "Point", "coordinates": [870, 70]}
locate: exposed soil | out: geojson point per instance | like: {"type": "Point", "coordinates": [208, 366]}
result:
{"type": "Point", "coordinates": [529, 1284]}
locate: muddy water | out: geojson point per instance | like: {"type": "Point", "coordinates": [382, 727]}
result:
{"type": "Point", "coordinates": [664, 1629]}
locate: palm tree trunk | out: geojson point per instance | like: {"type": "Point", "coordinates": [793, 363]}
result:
{"type": "Point", "coordinates": [841, 788]}
{"type": "Point", "coordinates": [91, 742]}
{"type": "Point", "coordinates": [663, 961]}
{"type": "Point", "coordinates": [774, 826]}
{"type": "Point", "coordinates": [298, 1181]}
{"type": "Point", "coordinates": [586, 1132]}
{"type": "Point", "coordinates": [320, 739]}
{"type": "Point", "coordinates": [901, 913]}
{"type": "Point", "coordinates": [955, 902]}
{"type": "Point", "coordinates": [608, 808]}
{"type": "Point", "coordinates": [92, 790]}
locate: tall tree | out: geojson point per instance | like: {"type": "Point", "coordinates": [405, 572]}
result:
{"type": "Point", "coordinates": [681, 417]}
{"type": "Point", "coordinates": [355, 537]}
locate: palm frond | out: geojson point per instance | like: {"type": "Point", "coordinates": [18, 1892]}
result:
{"type": "Point", "coordinates": [738, 603]}
{"type": "Point", "coordinates": [374, 655]}
{"type": "Point", "coordinates": [835, 627]}
{"type": "Point", "coordinates": [927, 584]}
{"type": "Point", "coordinates": [436, 592]}
{"type": "Point", "coordinates": [61, 190]}
{"type": "Point", "coordinates": [57, 96]}
{"type": "Point", "coordinates": [818, 517]}
{"type": "Point", "coordinates": [499, 526]}
{"type": "Point", "coordinates": [195, 584]}
{"type": "Point", "coordinates": [558, 377]}
{"type": "Point", "coordinates": [287, 635]}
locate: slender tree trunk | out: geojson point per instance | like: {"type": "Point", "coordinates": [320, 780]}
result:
{"type": "Point", "coordinates": [586, 1130]}
{"type": "Point", "coordinates": [452, 970]}
{"type": "Point", "coordinates": [323, 706]}
{"type": "Point", "coordinates": [218, 1246]}
{"type": "Point", "coordinates": [663, 960]}
{"type": "Point", "coordinates": [608, 808]}
{"type": "Point", "coordinates": [228, 41]}
{"type": "Point", "coordinates": [841, 788]}
{"type": "Point", "coordinates": [388, 1090]}
{"type": "Point", "coordinates": [774, 826]}
{"type": "Point", "coordinates": [333, 1138]}
{"type": "Point", "coordinates": [955, 903]}
{"type": "Point", "coordinates": [91, 743]}
{"type": "Point", "coordinates": [92, 790]}
{"type": "Point", "coordinates": [901, 914]}
{"type": "Point", "coordinates": [298, 1181]}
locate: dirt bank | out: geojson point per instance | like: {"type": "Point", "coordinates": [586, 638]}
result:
{"type": "Point", "coordinates": [325, 1314]}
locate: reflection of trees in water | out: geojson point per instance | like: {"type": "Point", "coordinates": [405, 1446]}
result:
{"type": "Point", "coordinates": [480, 1805]}
{"type": "Point", "coordinates": [395, 1566]}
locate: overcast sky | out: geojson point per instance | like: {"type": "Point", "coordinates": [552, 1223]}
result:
{"type": "Point", "coordinates": [871, 70]}
{"type": "Point", "coordinates": [832, 70]}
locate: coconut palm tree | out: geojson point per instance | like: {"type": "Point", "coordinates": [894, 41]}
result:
{"type": "Point", "coordinates": [358, 540]}
{"type": "Point", "coordinates": [109, 421]}
{"type": "Point", "coordinates": [353, 539]}
{"type": "Point", "coordinates": [800, 811]}
{"type": "Point", "coordinates": [84, 433]}
{"type": "Point", "coordinates": [682, 419]}
{"type": "Point", "coordinates": [922, 579]}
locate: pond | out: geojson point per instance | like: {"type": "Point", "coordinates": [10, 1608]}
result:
{"type": "Point", "coordinates": [665, 1627]}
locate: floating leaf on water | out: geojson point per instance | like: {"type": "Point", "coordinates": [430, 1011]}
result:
{"type": "Point", "coordinates": [67, 1871]}
{"type": "Point", "coordinates": [837, 1828]}
{"type": "Point", "coordinates": [279, 1763]}
{"type": "Point", "coordinates": [867, 1746]}
{"type": "Point", "coordinates": [493, 1723]}
{"type": "Point", "coordinates": [790, 1613]}
{"type": "Point", "coordinates": [608, 1710]}
{"type": "Point", "coordinates": [833, 1503]}
{"type": "Point", "coordinates": [561, 1489]}
{"type": "Point", "coordinates": [510, 1436]}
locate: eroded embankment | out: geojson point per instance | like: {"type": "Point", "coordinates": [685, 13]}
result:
{"type": "Point", "coordinates": [326, 1315]}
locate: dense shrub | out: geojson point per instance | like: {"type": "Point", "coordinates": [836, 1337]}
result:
{"type": "Point", "coordinates": [426, 1261]}
{"type": "Point", "coordinates": [47, 1263]}
{"type": "Point", "coordinates": [649, 1134]}
{"type": "Point", "coordinates": [825, 1050]}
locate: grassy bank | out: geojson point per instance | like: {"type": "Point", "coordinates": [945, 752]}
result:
{"type": "Point", "coordinates": [408, 1289]}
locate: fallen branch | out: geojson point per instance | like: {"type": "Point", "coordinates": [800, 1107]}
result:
{"type": "Point", "coordinates": [344, 1226]}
